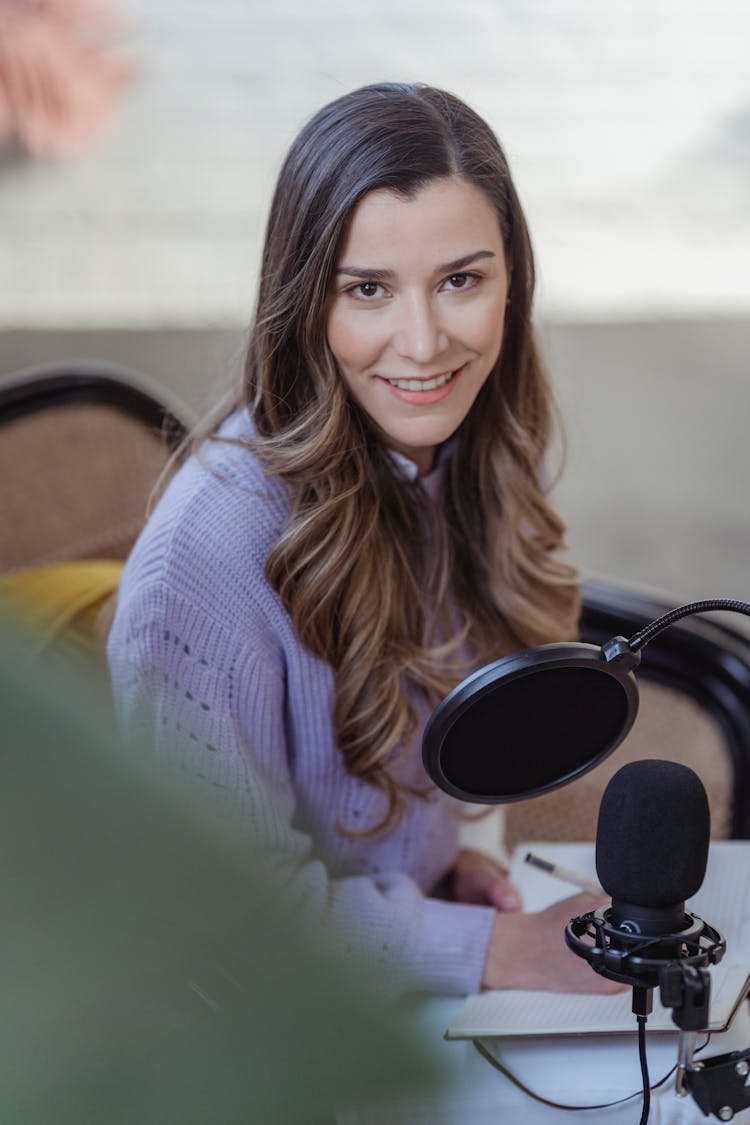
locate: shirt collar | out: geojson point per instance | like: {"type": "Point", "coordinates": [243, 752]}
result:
{"type": "Point", "coordinates": [408, 470]}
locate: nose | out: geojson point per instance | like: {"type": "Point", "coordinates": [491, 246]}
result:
{"type": "Point", "coordinates": [419, 333]}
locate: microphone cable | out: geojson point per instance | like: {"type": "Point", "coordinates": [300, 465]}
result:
{"type": "Point", "coordinates": [520, 1085]}
{"type": "Point", "coordinates": [642, 1058]}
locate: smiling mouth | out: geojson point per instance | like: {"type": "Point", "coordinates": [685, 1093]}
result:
{"type": "Point", "coordinates": [432, 384]}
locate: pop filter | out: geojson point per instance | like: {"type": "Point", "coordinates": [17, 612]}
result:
{"type": "Point", "coordinates": [533, 721]}
{"type": "Point", "coordinates": [530, 722]}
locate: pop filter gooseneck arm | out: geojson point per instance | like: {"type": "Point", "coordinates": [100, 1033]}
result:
{"type": "Point", "coordinates": [643, 636]}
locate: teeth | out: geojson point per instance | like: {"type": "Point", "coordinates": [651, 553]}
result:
{"type": "Point", "coordinates": [421, 384]}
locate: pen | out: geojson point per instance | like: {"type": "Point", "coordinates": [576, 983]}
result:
{"type": "Point", "coordinates": [563, 873]}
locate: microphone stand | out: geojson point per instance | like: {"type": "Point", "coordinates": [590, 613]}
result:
{"type": "Point", "coordinates": [717, 1085]}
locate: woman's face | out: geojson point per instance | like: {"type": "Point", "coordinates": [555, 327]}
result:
{"type": "Point", "coordinates": [416, 317]}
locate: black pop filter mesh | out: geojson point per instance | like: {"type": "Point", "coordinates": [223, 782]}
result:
{"type": "Point", "coordinates": [653, 833]}
{"type": "Point", "coordinates": [533, 732]}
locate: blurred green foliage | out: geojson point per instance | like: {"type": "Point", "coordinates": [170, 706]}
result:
{"type": "Point", "coordinates": [150, 971]}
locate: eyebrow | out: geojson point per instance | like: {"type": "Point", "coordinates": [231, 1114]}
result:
{"type": "Point", "coordinates": [388, 275]}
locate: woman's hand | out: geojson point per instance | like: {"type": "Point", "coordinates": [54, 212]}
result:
{"type": "Point", "coordinates": [479, 880]}
{"type": "Point", "coordinates": [529, 951]}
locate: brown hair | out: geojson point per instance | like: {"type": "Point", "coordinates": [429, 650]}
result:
{"type": "Point", "coordinates": [389, 591]}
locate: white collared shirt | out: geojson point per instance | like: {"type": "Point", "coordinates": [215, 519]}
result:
{"type": "Point", "coordinates": [408, 470]}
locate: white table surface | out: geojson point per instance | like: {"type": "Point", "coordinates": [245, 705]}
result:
{"type": "Point", "coordinates": [577, 1070]}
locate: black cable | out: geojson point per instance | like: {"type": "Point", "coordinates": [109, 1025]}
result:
{"type": "Point", "coordinates": [560, 1105]}
{"type": "Point", "coordinates": [490, 1058]}
{"type": "Point", "coordinates": [644, 1068]}
{"type": "Point", "coordinates": [643, 636]}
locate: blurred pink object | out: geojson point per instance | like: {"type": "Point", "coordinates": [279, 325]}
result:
{"type": "Point", "coordinates": [58, 82]}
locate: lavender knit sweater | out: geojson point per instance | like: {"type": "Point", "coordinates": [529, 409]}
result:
{"type": "Point", "coordinates": [206, 664]}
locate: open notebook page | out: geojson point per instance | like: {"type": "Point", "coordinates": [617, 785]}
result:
{"type": "Point", "coordinates": [723, 901]}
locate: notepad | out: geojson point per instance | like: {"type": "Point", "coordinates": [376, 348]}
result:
{"type": "Point", "coordinates": [723, 901]}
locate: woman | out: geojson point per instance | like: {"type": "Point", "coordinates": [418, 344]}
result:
{"type": "Point", "coordinates": [363, 528]}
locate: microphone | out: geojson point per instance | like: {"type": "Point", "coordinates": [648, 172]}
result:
{"type": "Point", "coordinates": [651, 852]}
{"type": "Point", "coordinates": [652, 845]}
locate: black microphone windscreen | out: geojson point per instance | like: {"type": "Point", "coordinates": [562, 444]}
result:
{"type": "Point", "coordinates": [653, 834]}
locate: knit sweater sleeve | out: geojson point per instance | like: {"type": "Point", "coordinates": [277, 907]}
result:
{"type": "Point", "coordinates": [213, 702]}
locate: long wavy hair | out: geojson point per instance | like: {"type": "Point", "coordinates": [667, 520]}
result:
{"type": "Point", "coordinates": [395, 593]}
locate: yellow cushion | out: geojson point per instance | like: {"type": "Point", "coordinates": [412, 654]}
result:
{"type": "Point", "coordinates": [63, 600]}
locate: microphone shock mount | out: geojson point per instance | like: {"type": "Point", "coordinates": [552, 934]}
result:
{"type": "Point", "coordinates": [619, 950]}
{"type": "Point", "coordinates": [677, 963]}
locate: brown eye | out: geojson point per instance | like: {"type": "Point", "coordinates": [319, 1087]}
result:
{"type": "Point", "coordinates": [461, 281]}
{"type": "Point", "coordinates": [368, 288]}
